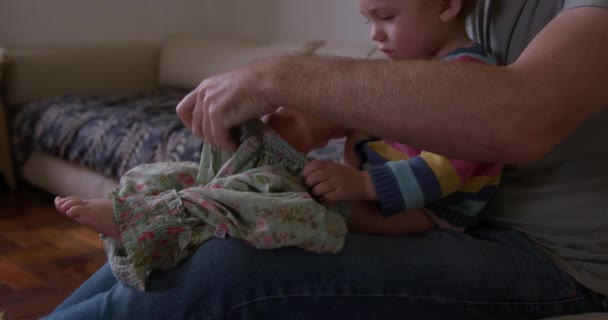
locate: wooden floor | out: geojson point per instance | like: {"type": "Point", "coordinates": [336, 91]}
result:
{"type": "Point", "coordinates": [43, 255]}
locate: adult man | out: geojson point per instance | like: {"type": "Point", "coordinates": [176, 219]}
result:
{"type": "Point", "coordinates": [543, 249]}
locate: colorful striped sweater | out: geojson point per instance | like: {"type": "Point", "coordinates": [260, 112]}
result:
{"type": "Point", "coordinates": [405, 178]}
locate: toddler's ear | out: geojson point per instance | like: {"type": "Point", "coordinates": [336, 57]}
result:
{"type": "Point", "coordinates": [450, 9]}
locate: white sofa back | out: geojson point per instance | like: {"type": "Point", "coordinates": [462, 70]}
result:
{"type": "Point", "coordinates": [345, 49]}
{"type": "Point", "coordinates": [37, 72]}
{"type": "Point", "coordinates": [185, 61]}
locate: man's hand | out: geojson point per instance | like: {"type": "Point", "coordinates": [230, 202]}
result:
{"type": "Point", "coordinates": [332, 182]}
{"type": "Point", "coordinates": [223, 101]}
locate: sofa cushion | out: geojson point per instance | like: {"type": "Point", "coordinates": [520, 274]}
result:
{"type": "Point", "coordinates": [345, 49]}
{"type": "Point", "coordinates": [186, 60]}
{"type": "Point", "coordinates": [39, 72]}
{"type": "Point", "coordinates": [65, 178]}
{"type": "Point", "coordinates": [2, 57]}
{"type": "Point", "coordinates": [376, 54]}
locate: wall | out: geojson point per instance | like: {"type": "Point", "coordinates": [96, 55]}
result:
{"type": "Point", "coordinates": [337, 20]}
{"type": "Point", "coordinates": [25, 22]}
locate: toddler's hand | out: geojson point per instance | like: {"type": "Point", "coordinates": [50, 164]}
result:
{"type": "Point", "coordinates": [288, 124]}
{"type": "Point", "coordinates": [332, 182]}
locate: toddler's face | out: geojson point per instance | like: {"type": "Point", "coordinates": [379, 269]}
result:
{"type": "Point", "coordinates": [405, 29]}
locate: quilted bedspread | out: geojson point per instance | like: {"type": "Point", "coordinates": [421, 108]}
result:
{"type": "Point", "coordinates": [107, 134]}
{"type": "Point", "coordinates": [113, 134]}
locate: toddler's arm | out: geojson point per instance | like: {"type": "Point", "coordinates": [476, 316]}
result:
{"type": "Point", "coordinates": [303, 132]}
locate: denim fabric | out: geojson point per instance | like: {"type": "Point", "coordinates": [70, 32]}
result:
{"type": "Point", "coordinates": [487, 273]}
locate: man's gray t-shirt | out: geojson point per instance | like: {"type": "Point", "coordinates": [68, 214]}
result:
{"type": "Point", "coordinates": [561, 201]}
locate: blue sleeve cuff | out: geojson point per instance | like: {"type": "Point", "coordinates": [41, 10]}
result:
{"type": "Point", "coordinates": [387, 189]}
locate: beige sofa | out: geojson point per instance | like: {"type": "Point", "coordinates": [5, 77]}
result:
{"type": "Point", "coordinates": [178, 62]}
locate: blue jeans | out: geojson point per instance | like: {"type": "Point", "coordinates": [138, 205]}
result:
{"type": "Point", "coordinates": [487, 273]}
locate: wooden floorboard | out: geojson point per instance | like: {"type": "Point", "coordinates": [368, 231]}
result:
{"type": "Point", "coordinates": [43, 255]}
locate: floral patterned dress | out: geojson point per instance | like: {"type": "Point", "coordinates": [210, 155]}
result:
{"type": "Point", "coordinates": [166, 210]}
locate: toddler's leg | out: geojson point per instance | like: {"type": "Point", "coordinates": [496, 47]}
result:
{"type": "Point", "coordinates": [154, 178]}
{"type": "Point", "coordinates": [141, 181]}
{"type": "Point", "coordinates": [366, 218]}
{"type": "Point", "coordinates": [95, 214]}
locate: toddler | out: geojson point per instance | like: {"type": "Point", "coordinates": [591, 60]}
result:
{"type": "Point", "coordinates": [395, 189]}
{"type": "Point", "coordinates": [390, 188]}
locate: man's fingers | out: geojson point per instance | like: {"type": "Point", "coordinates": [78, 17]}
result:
{"type": "Point", "coordinates": [197, 115]}
{"type": "Point", "coordinates": [206, 123]}
{"type": "Point", "coordinates": [220, 131]}
{"type": "Point", "coordinates": [185, 108]}
{"type": "Point", "coordinates": [219, 103]}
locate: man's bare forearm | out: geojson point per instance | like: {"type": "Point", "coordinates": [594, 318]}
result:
{"type": "Point", "coordinates": [426, 111]}
{"type": "Point", "coordinates": [497, 114]}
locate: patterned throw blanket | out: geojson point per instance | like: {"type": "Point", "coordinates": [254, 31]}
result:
{"type": "Point", "coordinates": [107, 134]}
{"type": "Point", "coordinates": [114, 134]}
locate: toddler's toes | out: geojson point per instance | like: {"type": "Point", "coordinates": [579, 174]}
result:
{"type": "Point", "coordinates": [58, 201]}
{"type": "Point", "coordinates": [69, 202]}
{"type": "Point", "coordinates": [74, 212]}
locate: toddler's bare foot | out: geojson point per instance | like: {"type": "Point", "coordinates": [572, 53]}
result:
{"type": "Point", "coordinates": [96, 214]}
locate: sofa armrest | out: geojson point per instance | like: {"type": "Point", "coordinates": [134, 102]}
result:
{"type": "Point", "coordinates": [42, 72]}
{"type": "Point", "coordinates": [6, 159]}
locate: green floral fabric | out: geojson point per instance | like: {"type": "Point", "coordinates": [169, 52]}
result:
{"type": "Point", "coordinates": [166, 210]}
